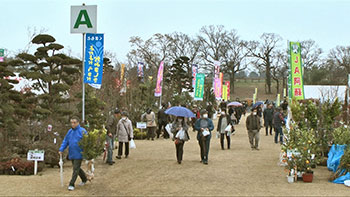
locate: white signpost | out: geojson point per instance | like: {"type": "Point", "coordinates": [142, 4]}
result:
{"type": "Point", "coordinates": [141, 125]}
{"type": "Point", "coordinates": [35, 155]}
{"type": "Point", "coordinates": [83, 19]}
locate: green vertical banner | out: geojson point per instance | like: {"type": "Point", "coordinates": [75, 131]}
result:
{"type": "Point", "coordinates": [297, 85]}
{"type": "Point", "coordinates": [2, 54]}
{"type": "Point", "coordinates": [199, 89]}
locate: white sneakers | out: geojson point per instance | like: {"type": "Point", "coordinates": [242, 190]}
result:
{"type": "Point", "coordinates": [70, 188]}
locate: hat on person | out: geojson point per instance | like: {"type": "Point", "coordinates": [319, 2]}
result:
{"type": "Point", "coordinates": [204, 111]}
{"type": "Point", "coordinates": [124, 113]}
{"type": "Point", "coordinates": [116, 111]}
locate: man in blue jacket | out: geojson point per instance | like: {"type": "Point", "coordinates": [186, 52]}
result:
{"type": "Point", "coordinates": [204, 126]}
{"type": "Point", "coordinates": [72, 139]}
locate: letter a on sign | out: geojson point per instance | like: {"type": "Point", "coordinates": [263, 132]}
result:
{"type": "Point", "coordinates": [83, 19]}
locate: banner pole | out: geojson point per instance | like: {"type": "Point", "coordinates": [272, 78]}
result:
{"type": "Point", "coordinates": [83, 71]}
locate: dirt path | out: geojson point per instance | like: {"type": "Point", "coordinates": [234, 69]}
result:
{"type": "Point", "coordinates": [152, 169]}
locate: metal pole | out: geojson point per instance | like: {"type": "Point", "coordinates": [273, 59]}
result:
{"type": "Point", "coordinates": [83, 73]}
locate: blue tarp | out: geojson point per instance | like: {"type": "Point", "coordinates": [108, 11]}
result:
{"type": "Point", "coordinates": [334, 156]}
{"type": "Point", "coordinates": [341, 179]}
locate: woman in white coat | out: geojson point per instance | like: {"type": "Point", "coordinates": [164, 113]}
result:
{"type": "Point", "coordinates": [125, 133]}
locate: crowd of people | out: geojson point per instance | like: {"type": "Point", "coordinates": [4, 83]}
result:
{"type": "Point", "coordinates": [119, 127]}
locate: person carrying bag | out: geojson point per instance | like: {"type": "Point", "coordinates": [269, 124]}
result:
{"type": "Point", "coordinates": [180, 132]}
{"type": "Point", "coordinates": [125, 134]}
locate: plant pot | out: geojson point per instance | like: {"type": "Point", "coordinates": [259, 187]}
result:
{"type": "Point", "coordinates": [307, 177]}
{"type": "Point", "coordinates": [290, 179]}
{"type": "Point", "coordinates": [299, 176]}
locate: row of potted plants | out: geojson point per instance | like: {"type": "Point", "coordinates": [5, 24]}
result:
{"type": "Point", "coordinates": [299, 153]}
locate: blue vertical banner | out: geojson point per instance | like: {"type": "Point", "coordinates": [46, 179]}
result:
{"type": "Point", "coordinates": [93, 60]}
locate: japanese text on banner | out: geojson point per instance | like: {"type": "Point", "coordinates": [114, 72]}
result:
{"type": "Point", "coordinates": [297, 86]}
{"type": "Point", "coordinates": [199, 89]}
{"type": "Point", "coordinates": [93, 60]}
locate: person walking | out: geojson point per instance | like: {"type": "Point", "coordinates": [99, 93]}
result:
{"type": "Point", "coordinates": [163, 119]}
{"type": "Point", "coordinates": [71, 140]}
{"type": "Point", "coordinates": [180, 131]}
{"type": "Point", "coordinates": [150, 118]}
{"type": "Point", "coordinates": [278, 121]}
{"type": "Point", "coordinates": [204, 126]}
{"type": "Point", "coordinates": [125, 133]}
{"type": "Point", "coordinates": [224, 124]}
{"type": "Point", "coordinates": [268, 119]}
{"type": "Point", "coordinates": [253, 125]}
{"type": "Point", "coordinates": [111, 127]}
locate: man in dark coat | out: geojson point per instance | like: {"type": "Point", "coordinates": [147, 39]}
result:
{"type": "Point", "coordinates": [163, 120]}
{"type": "Point", "coordinates": [111, 127]}
{"type": "Point", "coordinates": [278, 121]}
{"type": "Point", "coordinates": [268, 119]}
{"type": "Point", "coordinates": [204, 126]}
{"type": "Point", "coordinates": [253, 125]}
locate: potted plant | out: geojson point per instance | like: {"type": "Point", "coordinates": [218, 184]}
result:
{"type": "Point", "coordinates": [92, 145]}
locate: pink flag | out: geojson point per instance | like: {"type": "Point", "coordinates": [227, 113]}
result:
{"type": "Point", "coordinates": [158, 91]}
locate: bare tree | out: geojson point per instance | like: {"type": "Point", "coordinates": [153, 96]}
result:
{"type": "Point", "coordinates": [262, 52]}
{"type": "Point", "coordinates": [310, 53]}
{"type": "Point", "coordinates": [181, 45]}
{"type": "Point", "coordinates": [224, 46]}
{"type": "Point", "coordinates": [151, 51]}
{"type": "Point", "coordinates": [234, 57]}
{"type": "Point", "coordinates": [340, 57]}
{"type": "Point", "coordinates": [212, 44]}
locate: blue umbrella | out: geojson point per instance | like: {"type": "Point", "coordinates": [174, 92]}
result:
{"type": "Point", "coordinates": [257, 104]}
{"type": "Point", "coordinates": [235, 104]}
{"type": "Point", "coordinates": [180, 111]}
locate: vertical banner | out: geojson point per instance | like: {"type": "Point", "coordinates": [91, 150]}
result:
{"type": "Point", "coordinates": [278, 101]}
{"type": "Point", "coordinates": [194, 72]}
{"type": "Point", "coordinates": [227, 83]}
{"type": "Point", "coordinates": [199, 89]}
{"type": "Point", "coordinates": [254, 98]}
{"type": "Point", "coordinates": [224, 92]}
{"type": "Point", "coordinates": [122, 70]}
{"type": "Point", "coordinates": [284, 92]}
{"type": "Point", "coordinates": [140, 70]}
{"type": "Point", "coordinates": [2, 55]}
{"type": "Point", "coordinates": [217, 88]}
{"type": "Point", "coordinates": [216, 69]}
{"type": "Point", "coordinates": [158, 91]}
{"type": "Point", "coordinates": [221, 77]}
{"type": "Point", "coordinates": [296, 71]}
{"type": "Point", "coordinates": [93, 60]}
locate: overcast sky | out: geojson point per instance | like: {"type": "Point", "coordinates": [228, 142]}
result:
{"type": "Point", "coordinates": [325, 21]}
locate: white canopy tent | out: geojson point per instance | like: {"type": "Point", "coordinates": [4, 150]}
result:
{"type": "Point", "coordinates": [325, 92]}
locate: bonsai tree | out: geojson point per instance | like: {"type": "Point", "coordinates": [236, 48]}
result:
{"type": "Point", "coordinates": [53, 73]}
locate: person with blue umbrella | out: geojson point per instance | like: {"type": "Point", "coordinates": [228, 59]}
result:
{"type": "Point", "coordinates": [180, 130]}
{"type": "Point", "coordinates": [204, 126]}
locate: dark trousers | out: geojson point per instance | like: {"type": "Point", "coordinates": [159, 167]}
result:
{"type": "Point", "coordinates": [150, 132]}
{"type": "Point", "coordinates": [222, 139]}
{"type": "Point", "coordinates": [268, 123]}
{"type": "Point", "coordinates": [110, 141]}
{"type": "Point", "coordinates": [280, 132]}
{"type": "Point", "coordinates": [120, 150]}
{"type": "Point", "coordinates": [77, 171]}
{"type": "Point", "coordinates": [204, 144]}
{"type": "Point", "coordinates": [179, 150]}
{"type": "Point", "coordinates": [161, 127]}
